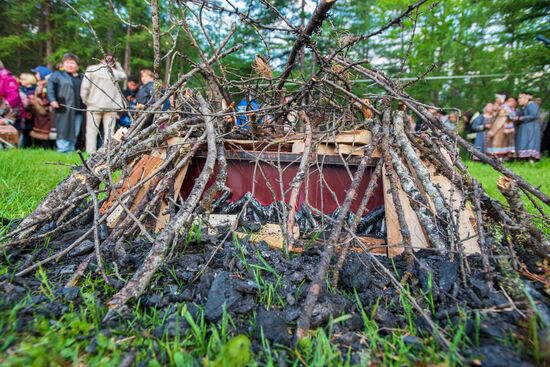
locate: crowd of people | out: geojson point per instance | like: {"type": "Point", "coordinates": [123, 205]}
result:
{"type": "Point", "coordinates": [54, 108]}
{"type": "Point", "coordinates": [508, 128]}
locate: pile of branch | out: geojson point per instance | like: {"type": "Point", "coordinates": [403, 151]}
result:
{"type": "Point", "coordinates": [422, 173]}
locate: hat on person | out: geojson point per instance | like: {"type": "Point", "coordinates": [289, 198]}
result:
{"type": "Point", "coordinates": [43, 71]}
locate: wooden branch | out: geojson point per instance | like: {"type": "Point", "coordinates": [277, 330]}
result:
{"type": "Point", "coordinates": [304, 321]}
{"type": "Point", "coordinates": [437, 125]}
{"type": "Point", "coordinates": [156, 38]}
{"type": "Point", "coordinates": [296, 183]}
{"type": "Point", "coordinates": [419, 204]}
{"type": "Point", "coordinates": [373, 183]}
{"type": "Point", "coordinates": [141, 278]}
{"type": "Point", "coordinates": [319, 15]}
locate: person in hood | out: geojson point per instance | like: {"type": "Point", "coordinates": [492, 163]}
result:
{"type": "Point", "coordinates": [9, 89]}
{"type": "Point", "coordinates": [64, 96]}
{"type": "Point", "coordinates": [43, 128]}
{"type": "Point", "coordinates": [27, 83]}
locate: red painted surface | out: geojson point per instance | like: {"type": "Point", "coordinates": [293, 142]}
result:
{"type": "Point", "coordinates": [324, 194]}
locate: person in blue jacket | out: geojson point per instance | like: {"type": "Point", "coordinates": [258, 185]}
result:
{"type": "Point", "coordinates": [244, 121]}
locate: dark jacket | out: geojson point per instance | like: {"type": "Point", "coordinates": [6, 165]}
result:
{"type": "Point", "coordinates": [61, 89]}
{"type": "Point", "coordinates": [146, 94]}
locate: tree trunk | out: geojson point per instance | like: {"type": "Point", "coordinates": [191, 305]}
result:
{"type": "Point", "coordinates": [47, 30]}
{"type": "Point", "coordinates": [156, 37]}
{"type": "Point", "coordinates": [128, 50]}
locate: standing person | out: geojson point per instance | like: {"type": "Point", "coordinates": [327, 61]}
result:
{"type": "Point", "coordinates": [464, 124]}
{"type": "Point", "coordinates": [63, 92]}
{"type": "Point", "coordinates": [27, 84]}
{"type": "Point", "coordinates": [146, 94]}
{"type": "Point", "coordinates": [9, 89]}
{"type": "Point", "coordinates": [103, 97]}
{"type": "Point", "coordinates": [480, 125]}
{"type": "Point", "coordinates": [544, 127]}
{"type": "Point", "coordinates": [132, 88]}
{"type": "Point", "coordinates": [451, 121]}
{"type": "Point", "coordinates": [500, 136]}
{"type": "Point", "coordinates": [9, 136]}
{"type": "Point", "coordinates": [528, 128]}
{"type": "Point", "coordinates": [40, 106]}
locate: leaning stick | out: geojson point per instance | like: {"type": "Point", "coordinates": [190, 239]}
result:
{"type": "Point", "coordinates": [141, 278]}
{"type": "Point", "coordinates": [296, 183]}
{"type": "Point", "coordinates": [315, 289]}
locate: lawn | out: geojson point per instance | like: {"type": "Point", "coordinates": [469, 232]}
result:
{"type": "Point", "coordinates": [26, 176]}
{"type": "Point", "coordinates": [538, 174]}
{"type": "Point", "coordinates": [77, 336]}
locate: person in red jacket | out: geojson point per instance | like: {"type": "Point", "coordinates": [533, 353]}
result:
{"type": "Point", "coordinates": [9, 89]}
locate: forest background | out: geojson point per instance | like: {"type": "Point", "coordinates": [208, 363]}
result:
{"type": "Point", "coordinates": [492, 42]}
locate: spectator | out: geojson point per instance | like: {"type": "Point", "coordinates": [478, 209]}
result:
{"type": "Point", "coordinates": [27, 84]}
{"type": "Point", "coordinates": [544, 127]}
{"type": "Point", "coordinates": [40, 107]}
{"type": "Point", "coordinates": [528, 128]}
{"type": "Point", "coordinates": [451, 121]}
{"type": "Point", "coordinates": [9, 89]}
{"type": "Point", "coordinates": [464, 124]}
{"type": "Point", "coordinates": [103, 97]}
{"type": "Point", "coordinates": [480, 125]}
{"type": "Point", "coordinates": [132, 88]}
{"type": "Point", "coordinates": [8, 133]}
{"type": "Point", "coordinates": [146, 94]}
{"type": "Point", "coordinates": [500, 137]}
{"type": "Point", "coordinates": [63, 92]}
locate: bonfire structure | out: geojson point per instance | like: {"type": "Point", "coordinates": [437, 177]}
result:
{"type": "Point", "coordinates": [307, 167]}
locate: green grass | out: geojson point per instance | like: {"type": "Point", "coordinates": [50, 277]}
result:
{"type": "Point", "coordinates": [537, 174]}
{"type": "Point", "coordinates": [26, 176]}
{"type": "Point", "coordinates": [25, 179]}
{"type": "Point", "coordinates": [66, 339]}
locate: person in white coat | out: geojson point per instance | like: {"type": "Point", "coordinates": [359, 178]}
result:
{"type": "Point", "coordinates": [102, 95]}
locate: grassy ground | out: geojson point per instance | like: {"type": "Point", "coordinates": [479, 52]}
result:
{"type": "Point", "coordinates": [76, 336]}
{"type": "Point", "coordinates": [27, 176]}
{"type": "Point", "coordinates": [538, 174]}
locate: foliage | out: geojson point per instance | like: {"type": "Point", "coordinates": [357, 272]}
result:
{"type": "Point", "coordinates": [458, 37]}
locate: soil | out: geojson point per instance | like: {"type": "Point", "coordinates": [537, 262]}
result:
{"type": "Point", "coordinates": [213, 275]}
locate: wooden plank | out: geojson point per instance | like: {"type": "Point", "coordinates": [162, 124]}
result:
{"type": "Point", "coordinates": [350, 149]}
{"type": "Point", "coordinates": [164, 217]}
{"type": "Point", "coordinates": [256, 145]}
{"type": "Point", "coordinates": [357, 137]}
{"type": "Point", "coordinates": [394, 238]}
{"type": "Point", "coordinates": [272, 234]}
{"type": "Point", "coordinates": [143, 168]}
{"type": "Point", "coordinates": [145, 165]}
{"type": "Point", "coordinates": [374, 245]}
